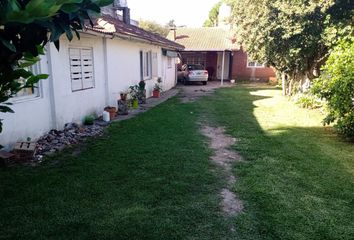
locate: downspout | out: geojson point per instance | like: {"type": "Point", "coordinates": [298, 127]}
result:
{"type": "Point", "coordinates": [51, 90]}
{"type": "Point", "coordinates": [105, 64]}
{"type": "Point", "coordinates": [222, 68]}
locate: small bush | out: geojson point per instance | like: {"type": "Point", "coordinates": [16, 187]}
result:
{"type": "Point", "coordinates": [88, 120]}
{"type": "Point", "coordinates": [308, 100]}
{"type": "Point", "coordinates": [336, 86]}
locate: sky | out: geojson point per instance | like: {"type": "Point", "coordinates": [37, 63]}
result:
{"type": "Point", "coordinates": [191, 13]}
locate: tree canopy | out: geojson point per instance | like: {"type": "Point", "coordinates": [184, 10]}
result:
{"type": "Point", "coordinates": [295, 37]}
{"type": "Point", "coordinates": [25, 27]}
{"type": "Point", "coordinates": [212, 20]}
{"type": "Point", "coordinates": [154, 27]}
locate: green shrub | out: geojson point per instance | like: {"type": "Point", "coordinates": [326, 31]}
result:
{"type": "Point", "coordinates": [336, 86]}
{"type": "Point", "coordinates": [89, 119]}
{"type": "Point", "coordinates": [308, 100]}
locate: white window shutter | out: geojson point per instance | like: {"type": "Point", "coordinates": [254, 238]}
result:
{"type": "Point", "coordinates": [87, 68]}
{"type": "Point", "coordinates": [81, 68]}
{"type": "Point", "coordinates": [75, 69]}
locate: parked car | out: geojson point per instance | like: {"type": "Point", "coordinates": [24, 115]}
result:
{"type": "Point", "coordinates": [193, 73]}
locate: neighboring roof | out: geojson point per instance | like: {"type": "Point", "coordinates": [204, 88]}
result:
{"type": "Point", "coordinates": [204, 39]}
{"type": "Point", "coordinates": [113, 26]}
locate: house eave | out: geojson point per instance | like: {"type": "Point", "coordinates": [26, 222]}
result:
{"type": "Point", "coordinates": [131, 38]}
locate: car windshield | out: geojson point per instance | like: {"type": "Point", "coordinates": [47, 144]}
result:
{"type": "Point", "coordinates": [195, 67]}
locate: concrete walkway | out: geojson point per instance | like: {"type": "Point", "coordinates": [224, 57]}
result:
{"type": "Point", "coordinates": [188, 93]}
{"type": "Point", "coordinates": [150, 103]}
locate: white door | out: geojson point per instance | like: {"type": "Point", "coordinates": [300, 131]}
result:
{"type": "Point", "coordinates": [226, 65]}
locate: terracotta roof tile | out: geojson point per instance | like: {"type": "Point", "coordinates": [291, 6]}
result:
{"type": "Point", "coordinates": [109, 25]}
{"type": "Point", "coordinates": [204, 39]}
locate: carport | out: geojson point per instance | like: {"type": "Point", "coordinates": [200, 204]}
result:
{"type": "Point", "coordinates": [211, 47]}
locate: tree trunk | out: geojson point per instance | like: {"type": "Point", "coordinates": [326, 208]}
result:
{"type": "Point", "coordinates": [283, 83]}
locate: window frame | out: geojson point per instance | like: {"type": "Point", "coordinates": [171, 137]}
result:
{"type": "Point", "coordinates": [146, 64]}
{"type": "Point", "coordinates": [256, 64]}
{"type": "Point", "coordinates": [37, 88]}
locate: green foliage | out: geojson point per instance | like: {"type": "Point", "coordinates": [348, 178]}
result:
{"type": "Point", "coordinates": [88, 120]}
{"type": "Point", "coordinates": [292, 36]}
{"type": "Point", "coordinates": [157, 87]}
{"type": "Point", "coordinates": [142, 85]}
{"type": "Point", "coordinates": [307, 100]}
{"type": "Point", "coordinates": [212, 20]}
{"type": "Point", "coordinates": [134, 91]}
{"type": "Point", "coordinates": [336, 86]}
{"type": "Point", "coordinates": [25, 28]}
{"type": "Point", "coordinates": [154, 27]}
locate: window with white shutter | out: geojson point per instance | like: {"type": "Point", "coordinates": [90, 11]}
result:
{"type": "Point", "coordinates": [81, 68]}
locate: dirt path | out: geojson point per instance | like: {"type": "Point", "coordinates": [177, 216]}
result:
{"type": "Point", "coordinates": [220, 143]}
{"type": "Point", "coordinates": [224, 157]}
{"type": "Point", "coordinates": [192, 92]}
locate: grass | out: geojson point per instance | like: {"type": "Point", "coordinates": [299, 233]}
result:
{"type": "Point", "coordinates": [150, 177]}
{"type": "Point", "coordinates": [297, 180]}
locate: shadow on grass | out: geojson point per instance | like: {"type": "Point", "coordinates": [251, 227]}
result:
{"type": "Point", "coordinates": [297, 182]}
{"type": "Point", "coordinates": [148, 178]}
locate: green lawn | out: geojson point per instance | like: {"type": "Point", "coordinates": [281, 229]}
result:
{"type": "Point", "coordinates": [297, 179]}
{"type": "Point", "coordinates": [150, 177]}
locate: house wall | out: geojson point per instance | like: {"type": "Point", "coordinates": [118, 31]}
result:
{"type": "Point", "coordinates": [32, 117]}
{"type": "Point", "coordinates": [123, 67]}
{"type": "Point", "coordinates": [74, 106]}
{"type": "Point", "coordinates": [116, 66]}
{"type": "Point", "coordinates": [242, 72]}
{"type": "Point", "coordinates": [169, 79]}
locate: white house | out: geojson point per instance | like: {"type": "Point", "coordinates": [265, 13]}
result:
{"type": "Point", "coordinates": [88, 74]}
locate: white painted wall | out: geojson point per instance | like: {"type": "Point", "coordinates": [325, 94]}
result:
{"type": "Point", "coordinates": [74, 106]}
{"type": "Point", "coordinates": [169, 73]}
{"type": "Point", "coordinates": [32, 117]}
{"type": "Point", "coordinates": [116, 67]}
{"type": "Point", "coordinates": [123, 67]}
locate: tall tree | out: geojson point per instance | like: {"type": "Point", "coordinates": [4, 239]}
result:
{"type": "Point", "coordinates": [213, 17]}
{"type": "Point", "coordinates": [154, 27]}
{"type": "Point", "coordinates": [295, 37]}
{"type": "Point", "coordinates": [25, 27]}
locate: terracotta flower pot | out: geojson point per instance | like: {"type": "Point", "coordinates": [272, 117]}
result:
{"type": "Point", "coordinates": [156, 94]}
{"type": "Point", "coordinates": [112, 112]}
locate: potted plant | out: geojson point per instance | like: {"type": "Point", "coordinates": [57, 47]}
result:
{"type": "Point", "coordinates": [112, 112]}
{"type": "Point", "coordinates": [157, 89]}
{"type": "Point", "coordinates": [123, 95]}
{"type": "Point", "coordinates": [142, 92]}
{"type": "Point", "coordinates": [134, 93]}
{"type": "Point", "coordinates": [123, 103]}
